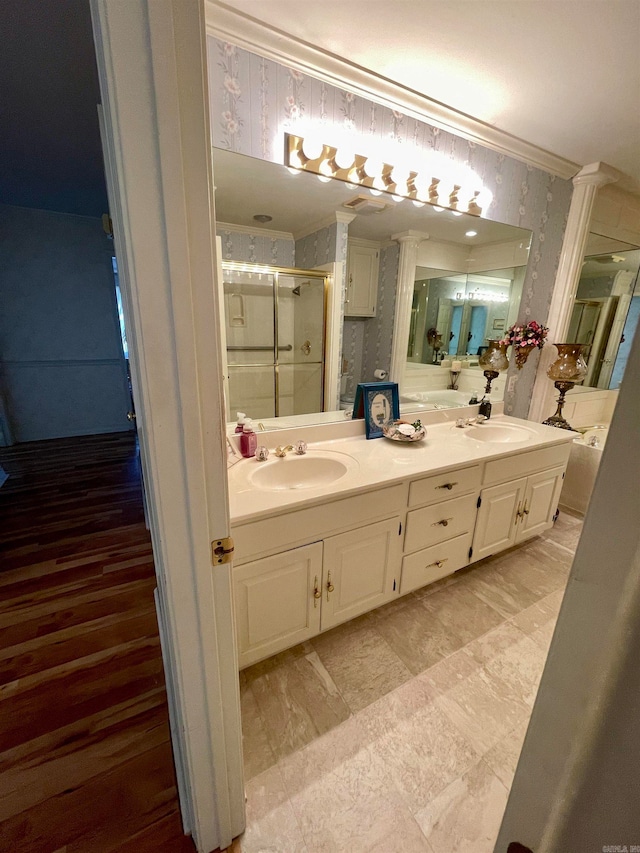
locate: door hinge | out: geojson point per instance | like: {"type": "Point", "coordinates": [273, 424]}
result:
{"type": "Point", "coordinates": [479, 502]}
{"type": "Point", "coordinates": [222, 551]}
{"type": "Point", "coordinates": [470, 552]}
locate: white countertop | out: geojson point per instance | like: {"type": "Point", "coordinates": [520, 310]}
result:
{"type": "Point", "coordinates": [379, 462]}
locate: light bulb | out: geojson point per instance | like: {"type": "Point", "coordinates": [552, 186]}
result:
{"type": "Point", "coordinates": [344, 157]}
{"type": "Point", "coordinates": [312, 147]}
{"type": "Point", "coordinates": [373, 167]}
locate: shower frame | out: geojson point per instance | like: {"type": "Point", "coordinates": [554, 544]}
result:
{"type": "Point", "coordinates": [267, 269]}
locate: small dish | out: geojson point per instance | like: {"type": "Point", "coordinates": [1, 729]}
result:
{"type": "Point", "coordinates": [401, 431]}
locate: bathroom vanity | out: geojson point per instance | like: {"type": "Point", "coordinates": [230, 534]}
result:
{"type": "Point", "coordinates": [353, 524]}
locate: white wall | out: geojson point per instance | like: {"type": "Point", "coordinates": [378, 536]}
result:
{"type": "Point", "coordinates": [63, 372]}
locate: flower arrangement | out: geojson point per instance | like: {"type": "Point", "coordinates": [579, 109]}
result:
{"type": "Point", "coordinates": [524, 338]}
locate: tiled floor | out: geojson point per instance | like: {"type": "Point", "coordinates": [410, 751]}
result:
{"type": "Point", "coordinates": [400, 731]}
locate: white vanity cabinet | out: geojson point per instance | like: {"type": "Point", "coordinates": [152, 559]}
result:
{"type": "Point", "coordinates": [345, 568]}
{"type": "Point", "coordinates": [306, 570]}
{"type": "Point", "coordinates": [438, 534]}
{"type": "Point", "coordinates": [362, 279]}
{"type": "Point", "coordinates": [293, 595]}
{"type": "Point", "coordinates": [520, 507]}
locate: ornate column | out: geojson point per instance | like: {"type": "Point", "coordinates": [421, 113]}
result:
{"type": "Point", "coordinates": [409, 242]}
{"type": "Point", "coordinates": [586, 184]}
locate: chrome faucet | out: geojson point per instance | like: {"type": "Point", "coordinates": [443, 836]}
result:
{"type": "Point", "coordinates": [465, 422]}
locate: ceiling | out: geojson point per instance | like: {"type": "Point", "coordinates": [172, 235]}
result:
{"type": "Point", "coordinates": [562, 74]}
{"type": "Point", "coordinates": [50, 153]}
{"type": "Point", "coordinates": [298, 203]}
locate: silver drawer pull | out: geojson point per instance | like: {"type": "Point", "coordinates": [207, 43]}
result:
{"type": "Point", "coordinates": [443, 522]}
{"type": "Point", "coordinates": [438, 563]}
{"type": "Point", "coordinates": [447, 486]}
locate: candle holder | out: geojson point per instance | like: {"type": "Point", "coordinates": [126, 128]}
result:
{"type": "Point", "coordinates": [434, 339]}
{"type": "Point", "coordinates": [493, 361]}
{"type": "Point", "coordinates": [453, 375]}
{"type": "Point", "coordinates": [568, 369]}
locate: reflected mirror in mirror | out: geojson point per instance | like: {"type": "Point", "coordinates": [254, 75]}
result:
{"type": "Point", "coordinates": [606, 309]}
{"type": "Point", "coordinates": [466, 286]}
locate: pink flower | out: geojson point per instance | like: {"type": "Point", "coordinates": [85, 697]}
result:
{"type": "Point", "coordinates": [231, 85]}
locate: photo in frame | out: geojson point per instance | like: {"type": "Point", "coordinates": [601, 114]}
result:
{"type": "Point", "coordinates": [378, 403]}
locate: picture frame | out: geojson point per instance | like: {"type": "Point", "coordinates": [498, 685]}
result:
{"type": "Point", "coordinates": [498, 324]}
{"type": "Point", "coordinates": [378, 403]}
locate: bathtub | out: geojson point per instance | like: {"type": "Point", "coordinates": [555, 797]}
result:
{"type": "Point", "coordinates": [428, 401]}
{"type": "Point", "coordinates": [582, 468]}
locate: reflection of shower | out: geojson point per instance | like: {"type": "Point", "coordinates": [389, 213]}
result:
{"type": "Point", "coordinates": [274, 344]}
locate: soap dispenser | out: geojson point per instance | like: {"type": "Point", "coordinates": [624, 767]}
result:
{"type": "Point", "coordinates": [248, 440]}
{"type": "Point", "coordinates": [241, 418]}
{"type": "Point", "coordinates": [485, 407]}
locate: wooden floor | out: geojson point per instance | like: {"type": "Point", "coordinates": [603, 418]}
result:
{"type": "Point", "coordinates": [86, 762]}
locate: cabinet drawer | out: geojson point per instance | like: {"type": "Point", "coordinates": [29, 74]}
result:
{"type": "Point", "coordinates": [433, 524]}
{"type": "Point", "coordinates": [523, 464]}
{"type": "Point", "coordinates": [434, 489]}
{"type": "Point", "coordinates": [434, 563]}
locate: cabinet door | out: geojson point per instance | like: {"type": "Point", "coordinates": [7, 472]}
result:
{"type": "Point", "coordinates": [360, 571]}
{"type": "Point", "coordinates": [540, 502]}
{"type": "Point", "coordinates": [498, 521]}
{"type": "Point", "coordinates": [362, 282]}
{"type": "Point", "coordinates": [274, 602]}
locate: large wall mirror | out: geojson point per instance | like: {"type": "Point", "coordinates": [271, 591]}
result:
{"type": "Point", "coordinates": [606, 309]}
{"type": "Point", "coordinates": [468, 283]}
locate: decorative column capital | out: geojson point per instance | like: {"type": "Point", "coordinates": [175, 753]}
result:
{"type": "Point", "coordinates": [597, 174]}
{"type": "Point", "coordinates": [411, 237]}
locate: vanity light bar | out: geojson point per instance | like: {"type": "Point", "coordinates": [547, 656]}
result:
{"type": "Point", "coordinates": [481, 296]}
{"type": "Point", "coordinates": [375, 174]}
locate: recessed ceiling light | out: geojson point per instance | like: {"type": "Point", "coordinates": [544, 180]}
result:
{"type": "Point", "coordinates": [470, 233]}
{"type": "Point", "coordinates": [262, 217]}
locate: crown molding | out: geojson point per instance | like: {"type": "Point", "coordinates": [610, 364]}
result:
{"type": "Point", "coordinates": [327, 222]}
{"type": "Point", "coordinates": [258, 231]}
{"type": "Point", "coordinates": [225, 23]}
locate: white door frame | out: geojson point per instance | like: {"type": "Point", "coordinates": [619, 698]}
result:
{"type": "Point", "coordinates": [152, 66]}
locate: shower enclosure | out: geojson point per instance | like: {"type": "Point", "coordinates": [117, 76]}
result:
{"type": "Point", "coordinates": [275, 332]}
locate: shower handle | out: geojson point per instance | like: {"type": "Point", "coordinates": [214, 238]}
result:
{"type": "Point", "coordinates": [306, 347]}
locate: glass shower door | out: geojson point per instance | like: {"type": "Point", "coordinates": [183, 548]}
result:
{"type": "Point", "coordinates": [300, 334]}
{"type": "Point", "coordinates": [249, 299]}
{"type": "Point", "coordinates": [274, 325]}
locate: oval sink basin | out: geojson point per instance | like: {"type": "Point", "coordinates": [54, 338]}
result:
{"type": "Point", "coordinates": [499, 433]}
{"type": "Point", "coordinates": [300, 472]}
